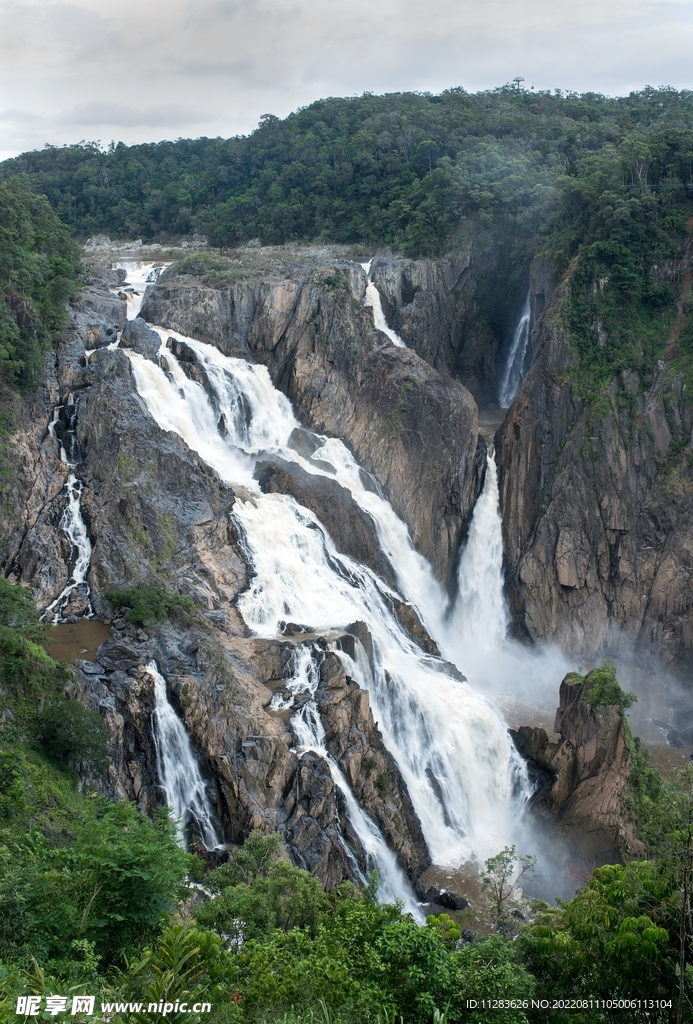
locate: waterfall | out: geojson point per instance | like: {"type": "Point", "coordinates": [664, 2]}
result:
{"type": "Point", "coordinates": [310, 735]}
{"type": "Point", "coordinates": [515, 366]}
{"type": "Point", "coordinates": [74, 526]}
{"type": "Point", "coordinates": [373, 300]}
{"type": "Point", "coordinates": [480, 616]}
{"type": "Point", "coordinates": [179, 772]}
{"type": "Point", "coordinates": [464, 777]}
{"type": "Point", "coordinates": [134, 287]}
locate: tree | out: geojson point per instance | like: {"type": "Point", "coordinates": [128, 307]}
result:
{"type": "Point", "coordinates": [500, 881]}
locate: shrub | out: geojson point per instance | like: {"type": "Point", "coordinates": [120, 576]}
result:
{"type": "Point", "coordinates": [148, 603]}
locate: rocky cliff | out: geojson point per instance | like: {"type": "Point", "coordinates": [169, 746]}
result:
{"type": "Point", "coordinates": [413, 428]}
{"type": "Point", "coordinates": [153, 509]}
{"type": "Point", "coordinates": [586, 774]}
{"type": "Point", "coordinates": [597, 503]}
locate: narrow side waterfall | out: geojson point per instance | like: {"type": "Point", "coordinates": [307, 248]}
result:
{"type": "Point", "coordinates": [480, 617]}
{"type": "Point", "coordinates": [134, 287]}
{"type": "Point", "coordinates": [179, 772]}
{"type": "Point", "coordinates": [77, 590]}
{"type": "Point", "coordinates": [465, 779]}
{"type": "Point", "coordinates": [310, 735]}
{"type": "Point", "coordinates": [373, 300]}
{"type": "Point", "coordinates": [515, 367]}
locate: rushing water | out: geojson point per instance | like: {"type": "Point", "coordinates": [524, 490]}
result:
{"type": "Point", "coordinates": [373, 300]}
{"type": "Point", "coordinates": [515, 365]}
{"type": "Point", "coordinates": [480, 615]}
{"type": "Point", "coordinates": [465, 779]}
{"type": "Point", "coordinates": [179, 772]}
{"type": "Point", "coordinates": [74, 527]}
{"type": "Point", "coordinates": [135, 286]}
{"type": "Point", "coordinates": [310, 735]}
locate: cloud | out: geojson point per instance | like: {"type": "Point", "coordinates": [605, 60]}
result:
{"type": "Point", "coordinates": [165, 68]}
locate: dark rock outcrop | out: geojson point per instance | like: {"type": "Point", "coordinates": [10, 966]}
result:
{"type": "Point", "coordinates": [587, 774]}
{"type": "Point", "coordinates": [434, 305]}
{"type": "Point", "coordinates": [140, 338]}
{"type": "Point", "coordinates": [357, 746]}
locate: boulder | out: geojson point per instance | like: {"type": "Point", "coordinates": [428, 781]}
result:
{"type": "Point", "coordinates": [138, 336]}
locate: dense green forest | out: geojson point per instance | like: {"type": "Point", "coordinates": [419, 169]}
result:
{"type": "Point", "coordinates": [603, 187]}
{"type": "Point", "coordinates": [39, 265]}
{"type": "Point", "coordinates": [100, 900]}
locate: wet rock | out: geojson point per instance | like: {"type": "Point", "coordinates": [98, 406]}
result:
{"type": "Point", "coordinates": [77, 605]}
{"type": "Point", "coordinates": [413, 428]}
{"type": "Point", "coordinates": [413, 626]}
{"type": "Point", "coordinates": [597, 525]}
{"type": "Point", "coordinates": [141, 338]}
{"type": "Point", "coordinates": [444, 898]}
{"type": "Point", "coordinates": [117, 654]}
{"type": "Point", "coordinates": [354, 741]}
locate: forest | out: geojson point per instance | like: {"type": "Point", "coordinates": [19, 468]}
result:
{"type": "Point", "coordinates": [602, 187]}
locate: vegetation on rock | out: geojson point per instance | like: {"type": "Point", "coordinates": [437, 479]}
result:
{"type": "Point", "coordinates": [148, 603]}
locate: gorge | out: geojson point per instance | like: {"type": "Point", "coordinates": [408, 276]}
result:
{"type": "Point", "coordinates": [346, 561]}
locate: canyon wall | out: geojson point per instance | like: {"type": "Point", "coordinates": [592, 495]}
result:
{"type": "Point", "coordinates": [597, 509]}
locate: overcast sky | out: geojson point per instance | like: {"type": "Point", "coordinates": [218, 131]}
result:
{"type": "Point", "coordinates": [143, 70]}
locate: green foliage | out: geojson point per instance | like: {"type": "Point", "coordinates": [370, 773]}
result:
{"type": "Point", "coordinates": [401, 169]}
{"type": "Point", "coordinates": [282, 898]}
{"type": "Point", "coordinates": [501, 884]}
{"type": "Point", "coordinates": [601, 688]}
{"type": "Point", "coordinates": [17, 611]}
{"type": "Point", "coordinates": [69, 734]}
{"type": "Point", "coordinates": [109, 876]}
{"type": "Point", "coordinates": [38, 269]}
{"type": "Point", "coordinates": [148, 603]}
{"type": "Point", "coordinates": [601, 187]}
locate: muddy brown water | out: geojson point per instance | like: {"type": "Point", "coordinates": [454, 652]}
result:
{"type": "Point", "coordinates": [70, 640]}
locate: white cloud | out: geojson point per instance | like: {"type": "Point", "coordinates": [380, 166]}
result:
{"type": "Point", "coordinates": [143, 71]}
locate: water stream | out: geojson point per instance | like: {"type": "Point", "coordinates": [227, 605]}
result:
{"type": "Point", "coordinates": [73, 525]}
{"type": "Point", "coordinates": [310, 735]}
{"type": "Point", "coordinates": [134, 287]}
{"type": "Point", "coordinates": [179, 772]}
{"type": "Point", "coordinates": [515, 366]}
{"type": "Point", "coordinates": [373, 300]}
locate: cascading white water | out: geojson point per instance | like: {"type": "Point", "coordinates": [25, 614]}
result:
{"type": "Point", "coordinates": [480, 617]}
{"type": "Point", "coordinates": [139, 275]}
{"type": "Point", "coordinates": [74, 526]}
{"type": "Point", "coordinates": [178, 771]}
{"type": "Point", "coordinates": [515, 365]}
{"type": "Point", "coordinates": [465, 779]}
{"type": "Point", "coordinates": [310, 735]}
{"type": "Point", "coordinates": [373, 300]}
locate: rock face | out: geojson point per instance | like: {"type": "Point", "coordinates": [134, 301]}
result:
{"type": "Point", "coordinates": [434, 307]}
{"type": "Point", "coordinates": [140, 338]}
{"type": "Point", "coordinates": [597, 512]}
{"type": "Point", "coordinates": [587, 775]}
{"type": "Point", "coordinates": [351, 529]}
{"type": "Point", "coordinates": [414, 429]}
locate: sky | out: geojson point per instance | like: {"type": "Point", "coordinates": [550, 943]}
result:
{"type": "Point", "coordinates": [145, 70]}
